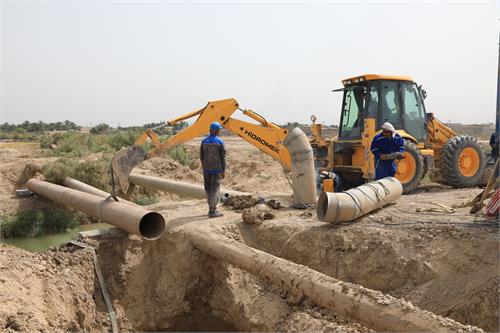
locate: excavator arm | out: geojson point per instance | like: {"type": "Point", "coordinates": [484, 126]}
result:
{"type": "Point", "coordinates": [266, 136]}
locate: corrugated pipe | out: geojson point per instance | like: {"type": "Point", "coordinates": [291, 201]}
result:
{"type": "Point", "coordinates": [349, 205]}
{"type": "Point", "coordinates": [133, 219]}
{"type": "Point", "coordinates": [174, 186]}
{"type": "Point", "coordinates": [303, 172]}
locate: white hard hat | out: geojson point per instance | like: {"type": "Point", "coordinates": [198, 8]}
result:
{"type": "Point", "coordinates": [388, 127]}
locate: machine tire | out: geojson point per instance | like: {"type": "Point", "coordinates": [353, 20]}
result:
{"type": "Point", "coordinates": [412, 168]}
{"type": "Point", "coordinates": [462, 161]}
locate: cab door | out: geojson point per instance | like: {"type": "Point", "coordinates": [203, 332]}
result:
{"type": "Point", "coordinates": [390, 104]}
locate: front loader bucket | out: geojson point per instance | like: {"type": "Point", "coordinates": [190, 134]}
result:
{"type": "Point", "coordinates": [123, 162]}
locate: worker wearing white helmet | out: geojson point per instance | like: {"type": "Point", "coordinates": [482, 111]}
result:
{"type": "Point", "coordinates": [387, 146]}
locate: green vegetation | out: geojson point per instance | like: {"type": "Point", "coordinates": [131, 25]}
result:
{"type": "Point", "coordinates": [39, 127]}
{"type": "Point", "coordinates": [180, 154]}
{"type": "Point", "coordinates": [145, 200]}
{"type": "Point", "coordinates": [33, 223]}
{"type": "Point", "coordinates": [100, 129]}
{"type": "Point", "coordinates": [28, 131]}
{"type": "Point", "coordinates": [94, 173]}
{"type": "Point", "coordinates": [73, 144]}
{"type": "Point", "coordinates": [56, 171]}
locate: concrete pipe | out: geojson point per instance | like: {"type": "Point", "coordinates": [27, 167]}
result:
{"type": "Point", "coordinates": [369, 307]}
{"type": "Point", "coordinates": [349, 205]}
{"type": "Point", "coordinates": [303, 172]}
{"type": "Point", "coordinates": [80, 186]}
{"type": "Point", "coordinates": [177, 187]}
{"type": "Point", "coordinates": [133, 219]}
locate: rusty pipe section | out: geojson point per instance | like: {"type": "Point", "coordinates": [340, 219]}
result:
{"type": "Point", "coordinates": [133, 219]}
{"type": "Point", "coordinates": [80, 186]}
{"type": "Point", "coordinates": [177, 187]}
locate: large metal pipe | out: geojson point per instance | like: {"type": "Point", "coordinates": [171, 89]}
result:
{"type": "Point", "coordinates": [175, 186]}
{"type": "Point", "coordinates": [349, 205]}
{"type": "Point", "coordinates": [133, 219]}
{"type": "Point", "coordinates": [369, 307]}
{"type": "Point", "coordinates": [303, 172]}
{"type": "Point", "coordinates": [80, 186]}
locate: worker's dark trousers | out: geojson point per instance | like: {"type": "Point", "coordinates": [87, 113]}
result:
{"type": "Point", "coordinates": [212, 185]}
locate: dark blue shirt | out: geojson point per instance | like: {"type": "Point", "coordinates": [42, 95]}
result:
{"type": "Point", "coordinates": [213, 155]}
{"type": "Point", "coordinates": [382, 145]}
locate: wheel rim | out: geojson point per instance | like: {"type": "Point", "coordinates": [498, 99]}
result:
{"type": "Point", "coordinates": [406, 168]}
{"type": "Point", "coordinates": [468, 162]}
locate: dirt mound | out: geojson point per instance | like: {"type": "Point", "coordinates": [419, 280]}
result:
{"type": "Point", "coordinates": [257, 214]}
{"type": "Point", "coordinates": [239, 202]}
{"type": "Point", "coordinates": [247, 168]}
{"type": "Point", "coordinates": [49, 291]}
{"type": "Point", "coordinates": [167, 167]}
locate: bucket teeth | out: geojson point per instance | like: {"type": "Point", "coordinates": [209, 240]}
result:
{"type": "Point", "coordinates": [123, 162]}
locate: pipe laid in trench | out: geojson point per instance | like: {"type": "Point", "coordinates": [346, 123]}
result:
{"type": "Point", "coordinates": [303, 172]}
{"type": "Point", "coordinates": [368, 307]}
{"type": "Point", "coordinates": [351, 204]}
{"type": "Point", "coordinates": [174, 186]}
{"type": "Point", "coordinates": [80, 186]}
{"type": "Point", "coordinates": [133, 219]}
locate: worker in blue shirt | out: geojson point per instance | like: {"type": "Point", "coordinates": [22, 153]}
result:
{"type": "Point", "coordinates": [387, 147]}
{"type": "Point", "coordinates": [213, 162]}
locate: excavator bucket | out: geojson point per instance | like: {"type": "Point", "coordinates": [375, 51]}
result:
{"type": "Point", "coordinates": [123, 162]}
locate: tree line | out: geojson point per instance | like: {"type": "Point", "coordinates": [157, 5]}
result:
{"type": "Point", "coordinates": [40, 126]}
{"type": "Point", "coordinates": [102, 128]}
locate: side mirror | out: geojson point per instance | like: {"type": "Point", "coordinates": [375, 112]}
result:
{"type": "Point", "coordinates": [422, 92]}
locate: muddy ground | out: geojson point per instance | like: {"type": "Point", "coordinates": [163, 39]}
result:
{"type": "Point", "coordinates": [441, 262]}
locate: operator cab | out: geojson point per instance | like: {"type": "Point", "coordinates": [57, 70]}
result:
{"type": "Point", "coordinates": [394, 99]}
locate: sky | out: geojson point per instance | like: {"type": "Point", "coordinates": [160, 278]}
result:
{"type": "Point", "coordinates": [134, 62]}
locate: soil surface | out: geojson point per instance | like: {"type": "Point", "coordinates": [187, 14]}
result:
{"type": "Point", "coordinates": [442, 262]}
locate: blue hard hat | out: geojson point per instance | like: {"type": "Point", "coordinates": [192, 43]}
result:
{"type": "Point", "coordinates": [215, 126]}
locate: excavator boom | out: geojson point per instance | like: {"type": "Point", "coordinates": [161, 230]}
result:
{"type": "Point", "coordinates": [266, 136]}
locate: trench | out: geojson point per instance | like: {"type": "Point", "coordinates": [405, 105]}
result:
{"type": "Point", "coordinates": [168, 285]}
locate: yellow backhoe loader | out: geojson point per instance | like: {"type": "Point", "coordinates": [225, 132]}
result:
{"type": "Point", "coordinates": [369, 101]}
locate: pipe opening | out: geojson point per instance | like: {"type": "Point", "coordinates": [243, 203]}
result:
{"type": "Point", "coordinates": [322, 207]}
{"type": "Point", "coordinates": [152, 226]}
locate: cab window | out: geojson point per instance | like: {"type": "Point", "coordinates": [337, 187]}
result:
{"type": "Point", "coordinates": [352, 120]}
{"type": "Point", "coordinates": [413, 115]}
{"type": "Point", "coordinates": [390, 110]}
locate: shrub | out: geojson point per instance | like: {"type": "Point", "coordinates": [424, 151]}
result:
{"type": "Point", "coordinates": [100, 129]}
{"type": "Point", "coordinates": [180, 154]}
{"type": "Point", "coordinates": [94, 173]}
{"type": "Point", "coordinates": [46, 141]}
{"type": "Point", "coordinates": [32, 223]}
{"type": "Point", "coordinates": [145, 200]}
{"type": "Point", "coordinates": [123, 139]}
{"type": "Point", "coordinates": [56, 171]}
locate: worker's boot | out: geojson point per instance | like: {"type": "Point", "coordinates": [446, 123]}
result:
{"type": "Point", "coordinates": [215, 213]}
